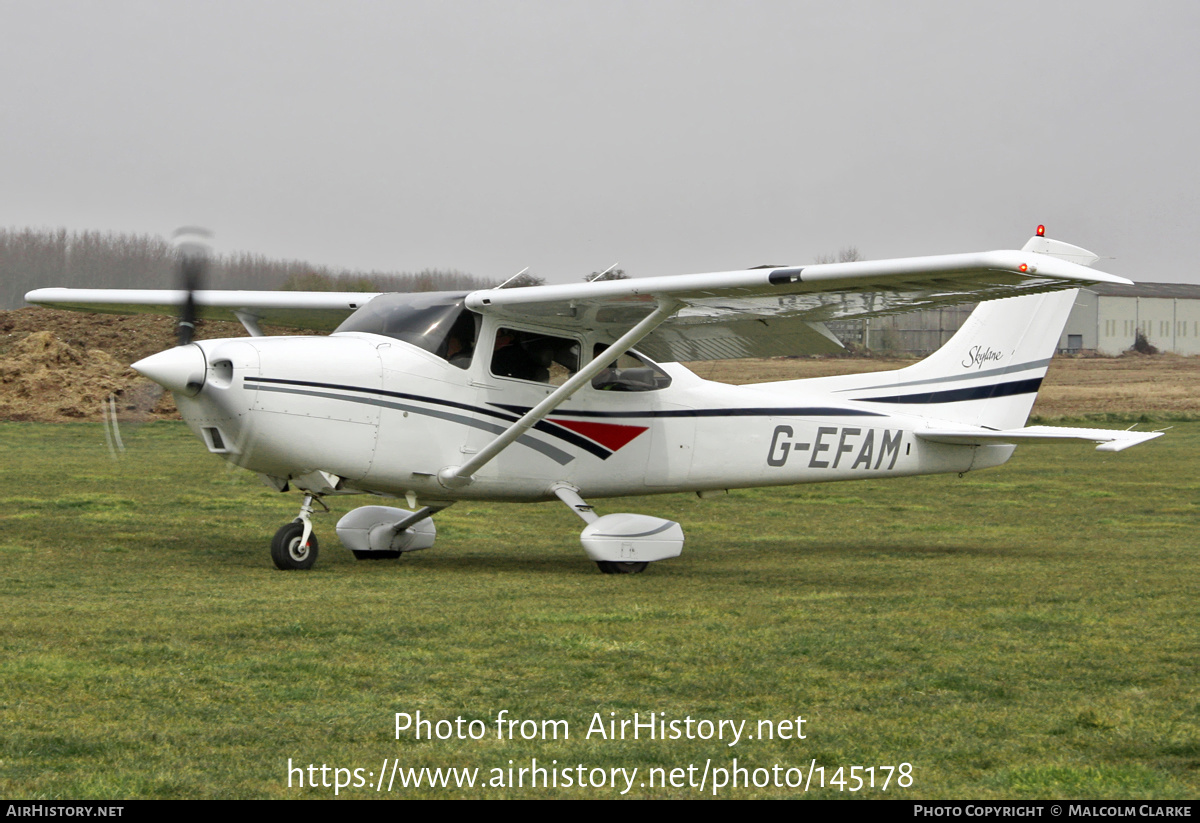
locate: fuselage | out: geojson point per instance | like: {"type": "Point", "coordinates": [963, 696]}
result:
{"type": "Point", "coordinates": [381, 415]}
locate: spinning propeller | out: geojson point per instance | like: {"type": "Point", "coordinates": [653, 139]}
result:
{"type": "Point", "coordinates": [178, 369]}
{"type": "Point", "coordinates": [182, 368]}
{"type": "Point", "coordinates": [192, 245]}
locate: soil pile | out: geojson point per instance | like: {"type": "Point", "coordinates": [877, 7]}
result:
{"type": "Point", "coordinates": [44, 379]}
{"type": "Point", "coordinates": [58, 366]}
{"type": "Point", "coordinates": [127, 338]}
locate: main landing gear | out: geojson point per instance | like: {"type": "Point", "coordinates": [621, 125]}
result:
{"type": "Point", "coordinates": [622, 543]}
{"type": "Point", "coordinates": [609, 567]}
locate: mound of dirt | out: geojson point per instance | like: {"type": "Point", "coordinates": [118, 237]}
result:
{"type": "Point", "coordinates": [127, 338]}
{"type": "Point", "coordinates": [42, 378]}
{"type": "Point", "coordinates": [59, 366]}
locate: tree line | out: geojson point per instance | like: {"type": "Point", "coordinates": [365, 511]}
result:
{"type": "Point", "coordinates": [38, 258]}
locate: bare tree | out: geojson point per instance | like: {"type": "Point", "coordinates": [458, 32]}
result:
{"type": "Point", "coordinates": [613, 274]}
{"type": "Point", "coordinates": [849, 254]}
{"type": "Point", "coordinates": [425, 280]}
{"type": "Point", "coordinates": [31, 259]}
{"type": "Point", "coordinates": [522, 281]}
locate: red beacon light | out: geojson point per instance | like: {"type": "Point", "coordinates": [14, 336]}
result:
{"type": "Point", "coordinates": [1041, 231]}
{"type": "Point", "coordinates": [1023, 267]}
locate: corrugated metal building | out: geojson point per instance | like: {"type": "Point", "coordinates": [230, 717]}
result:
{"type": "Point", "coordinates": [1107, 318]}
{"type": "Point", "coordinates": [916, 332]}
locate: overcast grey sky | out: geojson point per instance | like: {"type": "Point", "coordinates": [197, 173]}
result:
{"type": "Point", "coordinates": [673, 137]}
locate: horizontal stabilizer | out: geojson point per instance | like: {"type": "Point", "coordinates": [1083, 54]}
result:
{"type": "Point", "coordinates": [1107, 439]}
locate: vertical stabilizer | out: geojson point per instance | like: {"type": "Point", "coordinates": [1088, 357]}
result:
{"type": "Point", "coordinates": [989, 372]}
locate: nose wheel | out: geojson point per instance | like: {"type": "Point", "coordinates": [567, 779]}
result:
{"type": "Point", "coordinates": [294, 547]}
{"type": "Point", "coordinates": [290, 551]}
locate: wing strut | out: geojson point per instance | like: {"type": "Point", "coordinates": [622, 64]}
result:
{"type": "Point", "coordinates": [458, 476]}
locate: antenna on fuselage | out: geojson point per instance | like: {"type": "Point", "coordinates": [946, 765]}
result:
{"type": "Point", "coordinates": [606, 271]}
{"type": "Point", "coordinates": [514, 277]}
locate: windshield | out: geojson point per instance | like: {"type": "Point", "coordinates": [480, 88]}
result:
{"type": "Point", "coordinates": [437, 322]}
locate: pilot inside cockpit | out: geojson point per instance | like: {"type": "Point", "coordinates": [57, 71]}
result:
{"type": "Point", "coordinates": [437, 322]}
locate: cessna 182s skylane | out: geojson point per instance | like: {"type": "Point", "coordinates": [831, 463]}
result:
{"type": "Point", "coordinates": [530, 394]}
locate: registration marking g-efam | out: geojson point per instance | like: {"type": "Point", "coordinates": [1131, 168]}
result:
{"type": "Point", "coordinates": [838, 441]}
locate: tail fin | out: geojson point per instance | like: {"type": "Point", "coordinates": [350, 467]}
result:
{"type": "Point", "coordinates": [989, 372]}
{"type": "Point", "coordinates": [987, 375]}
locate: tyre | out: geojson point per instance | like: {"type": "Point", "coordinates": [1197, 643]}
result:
{"type": "Point", "coordinates": [286, 551]}
{"type": "Point", "coordinates": [614, 567]}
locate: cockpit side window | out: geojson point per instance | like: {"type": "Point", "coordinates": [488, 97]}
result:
{"type": "Point", "coordinates": [437, 322]}
{"type": "Point", "coordinates": [631, 372]}
{"type": "Point", "coordinates": [541, 358]}
{"type": "Point", "coordinates": [459, 346]}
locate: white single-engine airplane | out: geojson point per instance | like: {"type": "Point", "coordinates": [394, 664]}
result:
{"type": "Point", "coordinates": [525, 395]}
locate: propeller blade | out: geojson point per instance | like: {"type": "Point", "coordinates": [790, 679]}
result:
{"type": "Point", "coordinates": [192, 244]}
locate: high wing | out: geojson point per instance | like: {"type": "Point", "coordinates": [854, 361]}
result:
{"type": "Point", "coordinates": [292, 309]}
{"type": "Point", "coordinates": [761, 312]}
{"type": "Point", "coordinates": [781, 310]}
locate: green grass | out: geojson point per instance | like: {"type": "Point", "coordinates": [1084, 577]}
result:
{"type": "Point", "coordinates": [1023, 632]}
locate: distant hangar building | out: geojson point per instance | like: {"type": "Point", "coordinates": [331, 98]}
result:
{"type": "Point", "coordinates": [1107, 318]}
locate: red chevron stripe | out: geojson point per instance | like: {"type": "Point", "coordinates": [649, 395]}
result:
{"type": "Point", "coordinates": [610, 435]}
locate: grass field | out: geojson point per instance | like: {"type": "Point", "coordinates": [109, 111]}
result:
{"type": "Point", "coordinates": [1023, 632]}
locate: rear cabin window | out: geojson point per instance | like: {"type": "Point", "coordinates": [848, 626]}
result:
{"type": "Point", "coordinates": [631, 372]}
{"type": "Point", "coordinates": [540, 358]}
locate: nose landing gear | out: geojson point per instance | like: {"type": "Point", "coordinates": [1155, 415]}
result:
{"type": "Point", "coordinates": [291, 551]}
{"type": "Point", "coordinates": [294, 547]}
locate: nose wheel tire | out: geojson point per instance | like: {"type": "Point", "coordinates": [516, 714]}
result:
{"type": "Point", "coordinates": [286, 551]}
{"type": "Point", "coordinates": [613, 567]}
